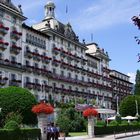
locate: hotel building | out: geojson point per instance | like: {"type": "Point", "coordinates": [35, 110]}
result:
{"type": "Point", "coordinates": [50, 61]}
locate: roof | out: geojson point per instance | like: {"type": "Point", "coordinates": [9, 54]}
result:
{"type": "Point", "coordinates": [10, 7]}
{"type": "Point", "coordinates": [34, 30]}
{"type": "Point", "coordinates": [94, 57]}
{"type": "Point", "coordinates": [9, 4]}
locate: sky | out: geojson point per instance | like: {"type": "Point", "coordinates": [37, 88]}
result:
{"type": "Point", "coordinates": [108, 21]}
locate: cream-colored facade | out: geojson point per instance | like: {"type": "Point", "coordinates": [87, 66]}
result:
{"type": "Point", "coordinates": [50, 61]}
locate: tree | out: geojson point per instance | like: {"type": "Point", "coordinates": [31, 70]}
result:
{"type": "Point", "coordinates": [136, 20]}
{"type": "Point", "coordinates": [70, 120]}
{"type": "Point", "coordinates": [137, 84]}
{"type": "Point", "coordinates": [128, 106]}
{"type": "Point", "coordinates": [13, 99]}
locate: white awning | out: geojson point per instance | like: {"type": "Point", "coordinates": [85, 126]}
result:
{"type": "Point", "coordinates": [105, 111]}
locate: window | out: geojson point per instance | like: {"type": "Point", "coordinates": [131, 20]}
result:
{"type": "Point", "coordinates": [1, 55]}
{"type": "Point", "coordinates": [62, 86]}
{"type": "Point", "coordinates": [62, 73]}
{"type": "Point", "coordinates": [27, 79]}
{"type": "Point", "coordinates": [54, 85]}
{"type": "Point", "coordinates": [54, 71]}
{"type": "Point", "coordinates": [76, 77]}
{"type": "Point", "coordinates": [14, 20]}
{"type": "Point", "coordinates": [36, 81]}
{"type": "Point", "coordinates": [44, 67]}
{"type": "Point", "coordinates": [36, 65]}
{"type": "Point", "coordinates": [69, 75]}
{"type": "Point", "coordinates": [1, 13]}
{"type": "Point", "coordinates": [27, 49]}
{"type": "Point", "coordinates": [13, 76]}
{"type": "Point", "coordinates": [13, 58]}
{"type": "Point", "coordinates": [61, 41]}
{"type": "Point", "coordinates": [53, 37]}
{"type": "Point", "coordinates": [27, 63]}
{"type": "Point", "coordinates": [70, 88]}
{"type": "Point", "coordinates": [82, 78]}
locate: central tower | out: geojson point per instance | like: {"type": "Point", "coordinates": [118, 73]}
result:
{"type": "Point", "coordinates": [49, 10]}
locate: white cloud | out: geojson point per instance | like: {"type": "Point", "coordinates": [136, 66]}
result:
{"type": "Point", "coordinates": [106, 13]}
{"type": "Point", "coordinates": [132, 77]}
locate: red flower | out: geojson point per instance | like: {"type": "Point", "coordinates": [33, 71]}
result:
{"type": "Point", "coordinates": [90, 112]}
{"type": "Point", "coordinates": [43, 108]}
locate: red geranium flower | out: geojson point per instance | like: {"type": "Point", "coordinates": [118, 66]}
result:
{"type": "Point", "coordinates": [90, 112]}
{"type": "Point", "coordinates": [43, 108]}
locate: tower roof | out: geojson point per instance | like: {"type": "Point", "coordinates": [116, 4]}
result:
{"type": "Point", "coordinates": [50, 4]}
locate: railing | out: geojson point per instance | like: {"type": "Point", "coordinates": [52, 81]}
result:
{"type": "Point", "coordinates": [3, 29]}
{"type": "Point", "coordinates": [15, 49]}
{"type": "Point", "coordinates": [16, 35]}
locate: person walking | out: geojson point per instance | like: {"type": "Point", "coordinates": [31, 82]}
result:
{"type": "Point", "coordinates": [49, 132]}
{"type": "Point", "coordinates": [56, 132]}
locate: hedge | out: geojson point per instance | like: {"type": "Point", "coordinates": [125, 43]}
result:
{"type": "Point", "coordinates": [115, 129]}
{"type": "Point", "coordinates": [21, 134]}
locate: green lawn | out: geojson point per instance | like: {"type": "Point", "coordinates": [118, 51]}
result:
{"type": "Point", "coordinates": [72, 134]}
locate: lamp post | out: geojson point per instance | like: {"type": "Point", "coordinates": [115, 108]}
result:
{"type": "Point", "coordinates": [117, 106]}
{"type": "Point", "coordinates": [137, 113]}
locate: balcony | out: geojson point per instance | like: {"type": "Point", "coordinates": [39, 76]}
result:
{"type": "Point", "coordinates": [3, 45]}
{"type": "Point", "coordinates": [37, 87]}
{"type": "Point", "coordinates": [3, 29]}
{"type": "Point", "coordinates": [37, 70]}
{"type": "Point", "coordinates": [36, 56]}
{"type": "Point", "coordinates": [15, 82]}
{"type": "Point", "coordinates": [16, 35]}
{"type": "Point", "coordinates": [15, 49]}
{"type": "Point", "coordinates": [29, 85]}
{"type": "Point", "coordinates": [16, 64]}
{"type": "Point", "coordinates": [64, 65]}
{"type": "Point", "coordinates": [29, 68]}
{"type": "Point", "coordinates": [56, 50]}
{"type": "Point", "coordinates": [28, 54]}
{"type": "Point", "coordinates": [56, 62]}
{"type": "Point", "coordinates": [105, 69]}
{"type": "Point", "coordinates": [46, 88]}
{"type": "Point", "coordinates": [6, 63]}
{"type": "Point", "coordinates": [46, 59]}
{"type": "Point", "coordinates": [3, 81]}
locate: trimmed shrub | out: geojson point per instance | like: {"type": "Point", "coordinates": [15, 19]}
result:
{"type": "Point", "coordinates": [22, 134]}
{"type": "Point", "coordinates": [100, 123]}
{"type": "Point", "coordinates": [12, 125]}
{"type": "Point", "coordinates": [13, 116]}
{"type": "Point", "coordinates": [113, 123]}
{"type": "Point", "coordinates": [13, 99]}
{"type": "Point", "coordinates": [115, 129]}
{"type": "Point", "coordinates": [124, 123]}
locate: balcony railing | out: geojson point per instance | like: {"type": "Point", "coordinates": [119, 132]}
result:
{"type": "Point", "coordinates": [15, 82]}
{"type": "Point", "coordinates": [11, 63]}
{"type": "Point", "coordinates": [16, 35]}
{"type": "Point", "coordinates": [46, 59]}
{"type": "Point", "coordinates": [36, 56]}
{"type": "Point", "coordinates": [15, 49]}
{"type": "Point", "coordinates": [28, 54]}
{"type": "Point", "coordinates": [56, 62]}
{"type": "Point", "coordinates": [3, 81]}
{"type": "Point", "coordinates": [3, 29]}
{"type": "Point", "coordinates": [56, 50]}
{"type": "Point", "coordinates": [3, 45]}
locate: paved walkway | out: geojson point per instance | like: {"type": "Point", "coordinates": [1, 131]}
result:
{"type": "Point", "coordinates": [107, 137]}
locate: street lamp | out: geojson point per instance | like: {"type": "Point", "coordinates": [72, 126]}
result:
{"type": "Point", "coordinates": [0, 109]}
{"type": "Point", "coordinates": [137, 113]}
{"type": "Point", "coordinates": [117, 106]}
